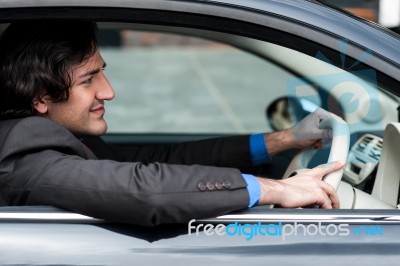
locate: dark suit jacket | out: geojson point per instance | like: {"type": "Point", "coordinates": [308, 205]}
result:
{"type": "Point", "coordinates": [42, 163]}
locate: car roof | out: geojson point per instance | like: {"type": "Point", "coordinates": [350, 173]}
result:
{"type": "Point", "coordinates": [324, 18]}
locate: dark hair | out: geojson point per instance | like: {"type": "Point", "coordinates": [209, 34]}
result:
{"type": "Point", "coordinates": [36, 59]}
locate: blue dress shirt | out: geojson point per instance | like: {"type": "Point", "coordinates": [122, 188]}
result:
{"type": "Point", "coordinates": [259, 155]}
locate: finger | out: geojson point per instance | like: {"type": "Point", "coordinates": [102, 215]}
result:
{"type": "Point", "coordinates": [317, 144]}
{"type": "Point", "coordinates": [325, 169]}
{"type": "Point", "coordinates": [331, 193]}
{"type": "Point", "coordinates": [324, 201]}
{"type": "Point", "coordinates": [327, 133]}
{"type": "Point", "coordinates": [319, 133]}
{"type": "Point", "coordinates": [327, 204]}
{"type": "Point", "coordinates": [322, 113]}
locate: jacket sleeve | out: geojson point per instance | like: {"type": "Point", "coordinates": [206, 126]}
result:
{"type": "Point", "coordinates": [225, 152]}
{"type": "Point", "coordinates": [41, 172]}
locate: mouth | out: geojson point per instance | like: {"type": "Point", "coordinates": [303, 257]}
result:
{"type": "Point", "coordinates": [100, 110]}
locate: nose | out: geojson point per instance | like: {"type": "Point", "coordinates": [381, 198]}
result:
{"type": "Point", "coordinates": [105, 91]}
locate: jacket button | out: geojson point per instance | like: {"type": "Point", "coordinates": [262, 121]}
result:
{"type": "Point", "coordinates": [210, 186]}
{"type": "Point", "coordinates": [201, 186]}
{"type": "Point", "coordinates": [227, 184]}
{"type": "Point", "coordinates": [219, 185]}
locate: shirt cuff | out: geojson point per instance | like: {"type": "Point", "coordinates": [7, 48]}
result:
{"type": "Point", "coordinates": [258, 149]}
{"type": "Point", "coordinates": [253, 187]}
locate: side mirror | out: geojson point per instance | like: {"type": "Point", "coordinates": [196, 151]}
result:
{"type": "Point", "coordinates": [285, 112]}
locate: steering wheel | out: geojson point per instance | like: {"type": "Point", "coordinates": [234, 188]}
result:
{"type": "Point", "coordinates": [339, 151]}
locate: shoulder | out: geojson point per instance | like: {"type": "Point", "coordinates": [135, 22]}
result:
{"type": "Point", "coordinates": [36, 133]}
{"type": "Point", "coordinates": [32, 127]}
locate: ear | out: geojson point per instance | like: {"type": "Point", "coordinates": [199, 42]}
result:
{"type": "Point", "coordinates": [41, 105]}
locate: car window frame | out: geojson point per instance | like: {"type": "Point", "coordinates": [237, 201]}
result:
{"type": "Point", "coordinates": [263, 26]}
{"type": "Point", "coordinates": [191, 20]}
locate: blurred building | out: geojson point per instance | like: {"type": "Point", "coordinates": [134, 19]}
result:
{"type": "Point", "coordinates": [384, 12]}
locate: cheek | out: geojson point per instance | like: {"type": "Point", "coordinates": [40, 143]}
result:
{"type": "Point", "coordinates": [61, 113]}
{"type": "Point", "coordinates": [81, 98]}
{"type": "Point", "coordinates": [75, 109]}
{"type": "Point", "coordinates": [65, 112]}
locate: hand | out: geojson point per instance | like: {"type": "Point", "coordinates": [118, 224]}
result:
{"type": "Point", "coordinates": [302, 190]}
{"type": "Point", "coordinates": [307, 134]}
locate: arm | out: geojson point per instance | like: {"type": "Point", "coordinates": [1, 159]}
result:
{"type": "Point", "coordinates": [126, 192]}
{"type": "Point", "coordinates": [42, 163]}
{"type": "Point", "coordinates": [50, 167]}
{"type": "Point", "coordinates": [227, 152]}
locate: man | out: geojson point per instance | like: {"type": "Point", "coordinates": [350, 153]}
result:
{"type": "Point", "coordinates": [52, 102]}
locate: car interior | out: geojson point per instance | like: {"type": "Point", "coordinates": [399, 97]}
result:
{"type": "Point", "coordinates": [300, 84]}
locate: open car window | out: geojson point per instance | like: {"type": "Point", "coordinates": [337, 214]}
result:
{"type": "Point", "coordinates": [173, 83]}
{"type": "Point", "coordinates": [188, 82]}
{"type": "Point", "coordinates": [215, 83]}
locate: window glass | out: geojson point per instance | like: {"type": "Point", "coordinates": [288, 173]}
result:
{"type": "Point", "coordinates": [167, 83]}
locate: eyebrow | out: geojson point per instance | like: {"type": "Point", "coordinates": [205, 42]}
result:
{"type": "Point", "coordinates": [93, 72]}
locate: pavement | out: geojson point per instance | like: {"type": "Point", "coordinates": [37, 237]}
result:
{"type": "Point", "coordinates": [190, 90]}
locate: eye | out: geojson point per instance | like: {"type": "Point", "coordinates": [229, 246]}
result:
{"type": "Point", "coordinates": [88, 81]}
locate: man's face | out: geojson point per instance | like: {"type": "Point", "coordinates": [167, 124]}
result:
{"type": "Point", "coordinates": [83, 112]}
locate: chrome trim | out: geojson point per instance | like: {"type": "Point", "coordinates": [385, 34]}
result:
{"type": "Point", "coordinates": [58, 217]}
{"type": "Point", "coordinates": [306, 218]}
{"type": "Point", "coordinates": [262, 214]}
